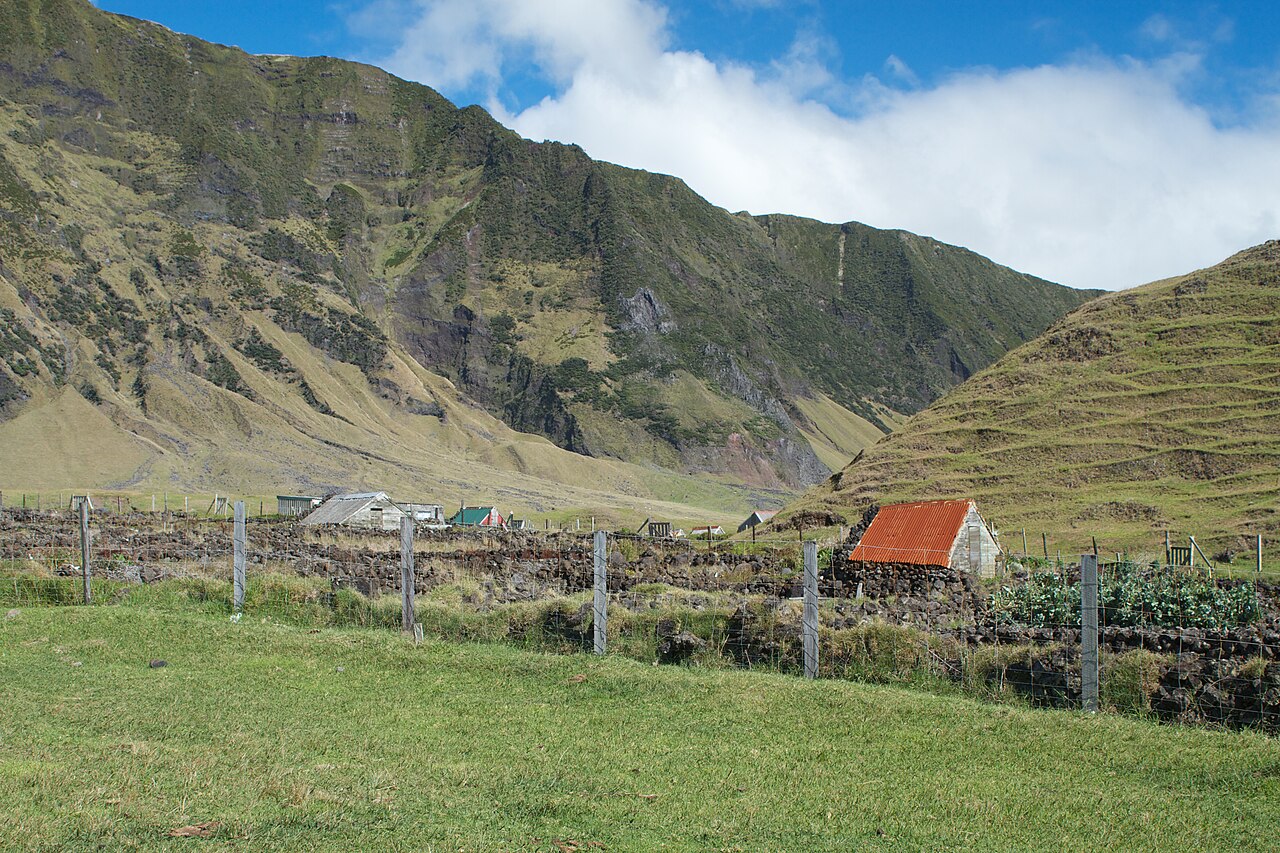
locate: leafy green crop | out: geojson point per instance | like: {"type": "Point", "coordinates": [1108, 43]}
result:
{"type": "Point", "coordinates": [1131, 596]}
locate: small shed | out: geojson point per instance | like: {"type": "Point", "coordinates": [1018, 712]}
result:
{"type": "Point", "coordinates": [424, 513]}
{"type": "Point", "coordinates": [941, 534]}
{"type": "Point", "coordinates": [759, 516]}
{"type": "Point", "coordinates": [477, 516]}
{"type": "Point", "coordinates": [371, 510]}
{"type": "Point", "coordinates": [296, 505]}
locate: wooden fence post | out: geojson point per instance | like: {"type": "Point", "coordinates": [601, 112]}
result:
{"type": "Point", "coordinates": [809, 623]}
{"type": "Point", "coordinates": [1259, 555]}
{"type": "Point", "coordinates": [84, 546]}
{"type": "Point", "coordinates": [600, 604]}
{"type": "Point", "coordinates": [406, 573]}
{"type": "Point", "coordinates": [1089, 632]}
{"type": "Point", "coordinates": [239, 545]}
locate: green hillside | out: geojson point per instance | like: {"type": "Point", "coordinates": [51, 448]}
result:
{"type": "Point", "coordinates": [1151, 409]}
{"type": "Point", "coordinates": [247, 266]}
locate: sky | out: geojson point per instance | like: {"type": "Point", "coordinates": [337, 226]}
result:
{"type": "Point", "coordinates": [1097, 144]}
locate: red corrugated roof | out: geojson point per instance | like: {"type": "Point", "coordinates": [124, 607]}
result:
{"type": "Point", "coordinates": [920, 534]}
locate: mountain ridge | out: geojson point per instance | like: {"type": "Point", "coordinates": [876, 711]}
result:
{"type": "Point", "coordinates": [177, 210]}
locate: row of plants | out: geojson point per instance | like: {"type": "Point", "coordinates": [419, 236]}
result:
{"type": "Point", "coordinates": [1130, 595]}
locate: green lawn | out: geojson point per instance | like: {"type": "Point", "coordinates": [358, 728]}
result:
{"type": "Point", "coordinates": [347, 739]}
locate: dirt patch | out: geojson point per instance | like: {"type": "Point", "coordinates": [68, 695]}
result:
{"type": "Point", "coordinates": [1191, 286]}
{"type": "Point", "coordinates": [1120, 511]}
{"type": "Point", "coordinates": [1082, 344]}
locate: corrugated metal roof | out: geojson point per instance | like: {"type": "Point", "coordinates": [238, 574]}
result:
{"type": "Point", "coordinates": [920, 534]}
{"type": "Point", "coordinates": [471, 515]}
{"type": "Point", "coordinates": [339, 508]}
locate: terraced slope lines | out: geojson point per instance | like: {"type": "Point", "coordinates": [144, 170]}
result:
{"type": "Point", "coordinates": [1148, 409]}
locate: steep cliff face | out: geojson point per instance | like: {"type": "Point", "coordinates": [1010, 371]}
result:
{"type": "Point", "coordinates": [167, 202]}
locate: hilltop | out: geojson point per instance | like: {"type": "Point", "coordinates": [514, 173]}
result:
{"type": "Point", "coordinates": [1152, 409]}
{"type": "Point", "coordinates": [260, 272]}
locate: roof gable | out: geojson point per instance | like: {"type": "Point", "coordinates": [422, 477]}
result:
{"type": "Point", "coordinates": [921, 533]}
{"type": "Point", "coordinates": [471, 515]}
{"type": "Point", "coordinates": [339, 508]}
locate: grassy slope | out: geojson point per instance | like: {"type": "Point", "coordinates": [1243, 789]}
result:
{"type": "Point", "coordinates": [173, 171]}
{"type": "Point", "coordinates": [344, 739]}
{"type": "Point", "coordinates": [1148, 409]}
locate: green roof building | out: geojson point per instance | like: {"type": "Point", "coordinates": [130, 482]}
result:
{"type": "Point", "coordinates": [477, 516]}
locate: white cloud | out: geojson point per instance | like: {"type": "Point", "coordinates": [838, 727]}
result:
{"type": "Point", "coordinates": [1095, 173]}
{"type": "Point", "coordinates": [899, 70]}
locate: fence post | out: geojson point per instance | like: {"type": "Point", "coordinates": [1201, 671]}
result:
{"type": "Point", "coordinates": [1259, 555]}
{"type": "Point", "coordinates": [600, 606]}
{"type": "Point", "coordinates": [239, 544]}
{"type": "Point", "coordinates": [1089, 632]}
{"type": "Point", "coordinates": [809, 621]}
{"type": "Point", "coordinates": [406, 573]}
{"type": "Point", "coordinates": [84, 546]}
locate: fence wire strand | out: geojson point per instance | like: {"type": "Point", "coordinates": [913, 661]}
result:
{"type": "Point", "coordinates": [1175, 644]}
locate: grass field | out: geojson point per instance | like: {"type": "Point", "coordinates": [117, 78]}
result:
{"type": "Point", "coordinates": [294, 739]}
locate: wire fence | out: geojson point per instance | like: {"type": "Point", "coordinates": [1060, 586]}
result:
{"type": "Point", "coordinates": [1172, 642]}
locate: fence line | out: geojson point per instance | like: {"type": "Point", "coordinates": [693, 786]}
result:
{"type": "Point", "coordinates": [1166, 641]}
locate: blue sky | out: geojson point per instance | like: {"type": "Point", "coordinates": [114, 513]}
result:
{"type": "Point", "coordinates": [933, 39]}
{"type": "Point", "coordinates": [1099, 144]}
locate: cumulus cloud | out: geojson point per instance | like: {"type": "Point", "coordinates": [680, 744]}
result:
{"type": "Point", "coordinates": [1095, 173]}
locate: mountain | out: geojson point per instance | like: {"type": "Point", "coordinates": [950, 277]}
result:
{"type": "Point", "coordinates": [1152, 409]}
{"type": "Point", "coordinates": [275, 260]}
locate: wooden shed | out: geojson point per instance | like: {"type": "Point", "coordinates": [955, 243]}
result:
{"type": "Point", "coordinates": [296, 505]}
{"type": "Point", "coordinates": [424, 513]}
{"type": "Point", "coordinates": [372, 510]}
{"type": "Point", "coordinates": [942, 534]}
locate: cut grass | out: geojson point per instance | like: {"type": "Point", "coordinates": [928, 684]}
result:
{"type": "Point", "coordinates": [346, 739]}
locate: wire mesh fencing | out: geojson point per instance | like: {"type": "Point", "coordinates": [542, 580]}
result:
{"type": "Point", "coordinates": [1172, 642]}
